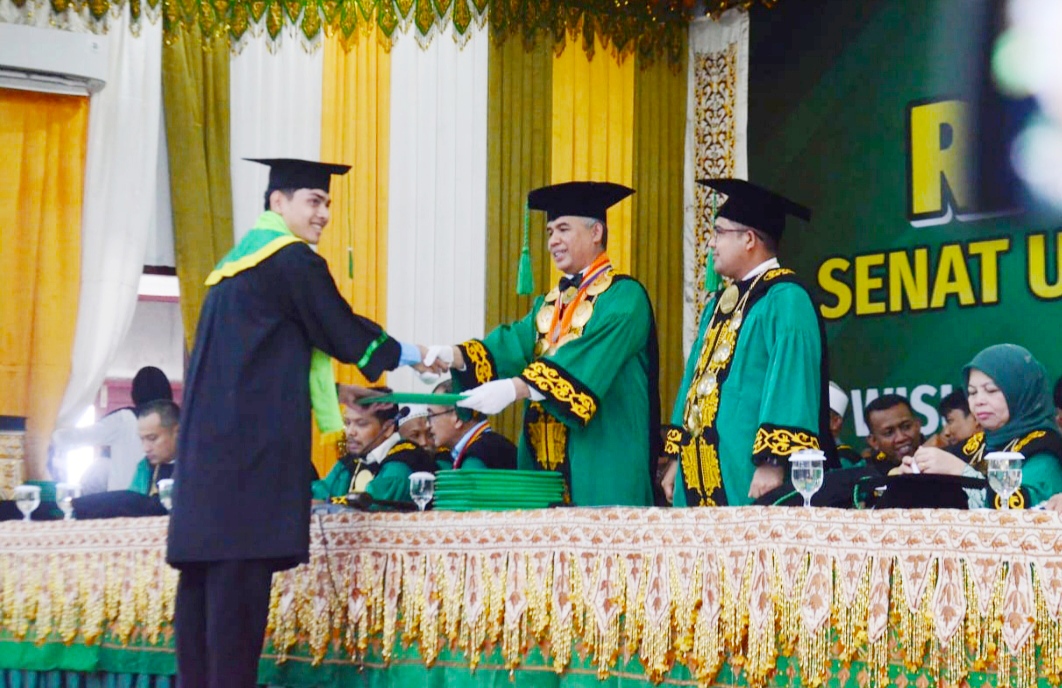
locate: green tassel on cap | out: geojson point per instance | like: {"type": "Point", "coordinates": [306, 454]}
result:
{"type": "Point", "coordinates": [525, 279]}
{"type": "Point", "coordinates": [711, 279]}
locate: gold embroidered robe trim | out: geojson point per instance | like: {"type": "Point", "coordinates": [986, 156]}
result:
{"type": "Point", "coordinates": [572, 398]}
{"type": "Point", "coordinates": [479, 359]}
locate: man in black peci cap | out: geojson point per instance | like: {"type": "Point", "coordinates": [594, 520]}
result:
{"type": "Point", "coordinates": [583, 360]}
{"type": "Point", "coordinates": [754, 392]}
{"type": "Point", "coordinates": [270, 325]}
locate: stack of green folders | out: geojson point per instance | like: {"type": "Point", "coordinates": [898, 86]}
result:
{"type": "Point", "coordinates": [497, 490]}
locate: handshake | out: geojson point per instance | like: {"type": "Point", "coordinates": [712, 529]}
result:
{"type": "Point", "coordinates": [489, 398]}
{"type": "Point", "coordinates": [436, 360]}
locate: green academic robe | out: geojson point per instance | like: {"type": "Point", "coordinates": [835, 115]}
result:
{"type": "Point", "coordinates": [1041, 472]}
{"type": "Point", "coordinates": [598, 424]}
{"type": "Point", "coordinates": [758, 393]}
{"type": "Point", "coordinates": [390, 477]}
{"type": "Point", "coordinates": [147, 476]}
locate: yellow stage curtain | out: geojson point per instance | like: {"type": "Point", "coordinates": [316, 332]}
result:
{"type": "Point", "coordinates": [43, 138]}
{"type": "Point", "coordinates": [593, 128]}
{"type": "Point", "coordinates": [657, 246]}
{"type": "Point", "coordinates": [518, 160]}
{"type": "Point", "coordinates": [355, 130]}
{"type": "Point", "coordinates": [195, 90]}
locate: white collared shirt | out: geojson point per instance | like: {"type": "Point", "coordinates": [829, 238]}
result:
{"type": "Point", "coordinates": [762, 268]}
{"type": "Point", "coordinates": [380, 453]}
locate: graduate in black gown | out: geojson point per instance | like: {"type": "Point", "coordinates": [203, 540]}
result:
{"type": "Point", "coordinates": [241, 504]}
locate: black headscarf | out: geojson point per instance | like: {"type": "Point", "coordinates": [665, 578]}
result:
{"type": "Point", "coordinates": [151, 384]}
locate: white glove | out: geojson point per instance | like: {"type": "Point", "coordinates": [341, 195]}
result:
{"type": "Point", "coordinates": [444, 353]}
{"type": "Point", "coordinates": [490, 398]}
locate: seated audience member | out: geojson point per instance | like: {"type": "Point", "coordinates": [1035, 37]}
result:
{"type": "Point", "coordinates": [157, 423]}
{"type": "Point", "coordinates": [1010, 396]}
{"type": "Point", "coordinates": [118, 432]}
{"type": "Point", "coordinates": [469, 436]}
{"type": "Point", "coordinates": [414, 427]}
{"type": "Point", "coordinates": [894, 431]}
{"type": "Point", "coordinates": [848, 456]}
{"type": "Point", "coordinates": [1058, 403]}
{"type": "Point", "coordinates": [379, 462]}
{"type": "Point", "coordinates": [959, 424]}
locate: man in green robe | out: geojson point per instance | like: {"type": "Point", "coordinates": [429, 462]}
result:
{"type": "Point", "coordinates": [583, 360]}
{"type": "Point", "coordinates": [157, 423]}
{"type": "Point", "coordinates": [846, 453]}
{"type": "Point", "coordinates": [379, 461]}
{"type": "Point", "coordinates": [754, 389]}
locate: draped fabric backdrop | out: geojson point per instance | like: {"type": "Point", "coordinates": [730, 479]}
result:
{"type": "Point", "coordinates": [657, 244]}
{"type": "Point", "coordinates": [518, 160]}
{"type": "Point", "coordinates": [593, 122]}
{"type": "Point", "coordinates": [120, 204]}
{"type": "Point", "coordinates": [43, 138]}
{"type": "Point", "coordinates": [436, 265]}
{"type": "Point", "coordinates": [275, 106]}
{"type": "Point", "coordinates": [195, 89]}
{"type": "Point", "coordinates": [355, 130]}
{"type": "Point", "coordinates": [716, 143]}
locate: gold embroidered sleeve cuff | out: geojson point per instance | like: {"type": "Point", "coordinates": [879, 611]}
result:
{"type": "Point", "coordinates": [479, 365]}
{"type": "Point", "coordinates": [674, 438]}
{"type": "Point", "coordinates": [564, 394]}
{"type": "Point", "coordinates": [776, 443]}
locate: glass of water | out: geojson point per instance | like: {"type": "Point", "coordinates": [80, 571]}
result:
{"type": "Point", "coordinates": [65, 494]}
{"type": "Point", "coordinates": [422, 488]}
{"type": "Point", "coordinates": [27, 499]}
{"type": "Point", "coordinates": [166, 493]}
{"type": "Point", "coordinates": [806, 471]}
{"type": "Point", "coordinates": [1004, 474]}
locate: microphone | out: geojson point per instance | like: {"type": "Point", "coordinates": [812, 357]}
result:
{"type": "Point", "coordinates": [402, 413]}
{"type": "Point", "coordinates": [364, 500]}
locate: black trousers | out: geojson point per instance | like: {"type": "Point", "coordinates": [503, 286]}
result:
{"type": "Point", "coordinates": [220, 619]}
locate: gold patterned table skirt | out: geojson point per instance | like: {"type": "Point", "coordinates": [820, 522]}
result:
{"type": "Point", "coordinates": [956, 592]}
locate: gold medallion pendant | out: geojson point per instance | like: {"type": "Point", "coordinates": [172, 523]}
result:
{"type": "Point", "coordinates": [582, 314]}
{"type": "Point", "coordinates": [600, 284]}
{"type": "Point", "coordinates": [552, 295]}
{"type": "Point", "coordinates": [544, 318]}
{"type": "Point", "coordinates": [728, 299]}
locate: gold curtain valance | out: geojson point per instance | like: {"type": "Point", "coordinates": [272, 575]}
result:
{"type": "Point", "coordinates": [650, 28]}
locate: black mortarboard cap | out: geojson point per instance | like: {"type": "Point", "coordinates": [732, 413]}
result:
{"type": "Point", "coordinates": [290, 173]}
{"type": "Point", "coordinates": [582, 199]}
{"type": "Point", "coordinates": [926, 491]}
{"type": "Point", "coordinates": [755, 206]}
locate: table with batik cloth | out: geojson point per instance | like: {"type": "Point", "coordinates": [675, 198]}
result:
{"type": "Point", "coordinates": [747, 596]}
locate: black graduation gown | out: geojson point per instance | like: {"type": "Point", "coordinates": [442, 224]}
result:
{"type": "Point", "coordinates": [494, 450]}
{"type": "Point", "coordinates": [242, 485]}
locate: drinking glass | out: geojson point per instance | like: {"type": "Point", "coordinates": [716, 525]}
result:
{"type": "Point", "coordinates": [27, 499]}
{"type": "Point", "coordinates": [1004, 474]}
{"type": "Point", "coordinates": [807, 468]}
{"type": "Point", "coordinates": [422, 488]}
{"type": "Point", "coordinates": [166, 493]}
{"type": "Point", "coordinates": [65, 494]}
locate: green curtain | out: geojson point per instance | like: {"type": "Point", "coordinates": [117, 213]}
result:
{"type": "Point", "coordinates": [657, 244]}
{"type": "Point", "coordinates": [195, 90]}
{"type": "Point", "coordinates": [519, 114]}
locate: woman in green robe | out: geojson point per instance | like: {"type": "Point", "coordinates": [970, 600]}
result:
{"type": "Point", "coordinates": [1010, 394]}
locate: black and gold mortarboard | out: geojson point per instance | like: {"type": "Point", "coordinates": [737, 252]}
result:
{"type": "Point", "coordinates": [582, 199]}
{"type": "Point", "coordinates": [291, 173]}
{"type": "Point", "coordinates": [755, 206]}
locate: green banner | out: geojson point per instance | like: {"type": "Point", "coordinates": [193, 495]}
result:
{"type": "Point", "coordinates": [867, 112]}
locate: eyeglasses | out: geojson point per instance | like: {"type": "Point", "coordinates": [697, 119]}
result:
{"type": "Point", "coordinates": [716, 231]}
{"type": "Point", "coordinates": [439, 413]}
